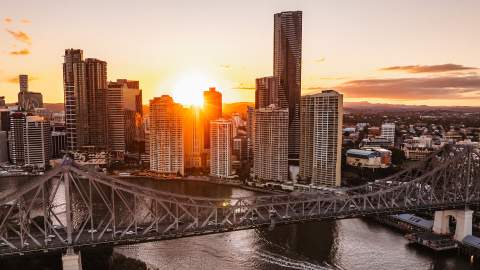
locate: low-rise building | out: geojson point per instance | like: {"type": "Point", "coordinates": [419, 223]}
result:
{"type": "Point", "coordinates": [369, 158]}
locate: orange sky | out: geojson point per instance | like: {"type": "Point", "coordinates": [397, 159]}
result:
{"type": "Point", "coordinates": [410, 52]}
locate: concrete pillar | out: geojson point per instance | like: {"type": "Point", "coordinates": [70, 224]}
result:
{"type": "Point", "coordinates": [464, 224]}
{"type": "Point", "coordinates": [72, 261]}
{"type": "Point", "coordinates": [463, 220]}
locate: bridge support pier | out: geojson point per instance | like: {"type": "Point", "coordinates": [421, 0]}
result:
{"type": "Point", "coordinates": [72, 261]}
{"type": "Point", "coordinates": [462, 217]}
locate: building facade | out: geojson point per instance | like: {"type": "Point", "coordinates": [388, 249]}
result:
{"type": "Point", "coordinates": [194, 141]}
{"type": "Point", "coordinates": [221, 140]}
{"type": "Point", "coordinates": [166, 136]}
{"type": "Point", "coordinates": [37, 141]}
{"type": "Point", "coordinates": [96, 89]}
{"type": "Point", "coordinates": [115, 122]}
{"type": "Point", "coordinates": [321, 138]}
{"type": "Point", "coordinates": [270, 157]}
{"type": "Point", "coordinates": [212, 110]}
{"type": "Point", "coordinates": [388, 132]}
{"type": "Point", "coordinates": [16, 138]}
{"type": "Point", "coordinates": [265, 93]}
{"type": "Point", "coordinates": [287, 67]}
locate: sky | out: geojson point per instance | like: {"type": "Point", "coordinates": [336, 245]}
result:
{"type": "Point", "coordinates": [382, 51]}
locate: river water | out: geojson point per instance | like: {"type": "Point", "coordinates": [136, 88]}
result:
{"type": "Point", "coordinates": [342, 244]}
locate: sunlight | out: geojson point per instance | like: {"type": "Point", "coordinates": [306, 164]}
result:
{"type": "Point", "coordinates": [188, 89]}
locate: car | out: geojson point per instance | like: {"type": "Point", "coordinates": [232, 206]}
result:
{"type": "Point", "coordinates": [108, 230]}
{"type": "Point", "coordinates": [286, 217]}
{"type": "Point", "coordinates": [130, 233]}
{"type": "Point", "coordinates": [92, 231]}
{"type": "Point", "coordinates": [51, 236]}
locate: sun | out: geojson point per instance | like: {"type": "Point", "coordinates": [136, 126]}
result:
{"type": "Point", "coordinates": [189, 87]}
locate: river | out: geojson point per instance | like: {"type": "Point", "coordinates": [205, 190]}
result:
{"type": "Point", "coordinates": [342, 244]}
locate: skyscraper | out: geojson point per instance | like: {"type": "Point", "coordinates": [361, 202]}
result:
{"type": "Point", "coordinates": [115, 122]}
{"type": "Point", "coordinates": [265, 93]}
{"type": "Point", "coordinates": [37, 141]}
{"type": "Point", "coordinates": [270, 157]}
{"type": "Point", "coordinates": [212, 110]}
{"type": "Point", "coordinates": [76, 108]}
{"type": "Point", "coordinates": [250, 130]}
{"type": "Point", "coordinates": [193, 138]}
{"type": "Point", "coordinates": [96, 89]}
{"type": "Point", "coordinates": [388, 132]}
{"type": "Point", "coordinates": [16, 139]}
{"type": "Point", "coordinates": [221, 148]}
{"type": "Point", "coordinates": [133, 110]}
{"type": "Point", "coordinates": [321, 138]}
{"type": "Point", "coordinates": [287, 67]}
{"type": "Point", "coordinates": [166, 136]}
{"type": "Point", "coordinates": [27, 101]}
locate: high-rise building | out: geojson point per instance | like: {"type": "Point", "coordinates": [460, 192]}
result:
{"type": "Point", "coordinates": [133, 110]}
{"type": "Point", "coordinates": [166, 136]}
{"type": "Point", "coordinates": [16, 139]}
{"type": "Point", "coordinates": [2, 102]}
{"type": "Point", "coordinates": [321, 138]}
{"type": "Point", "coordinates": [115, 122]}
{"type": "Point", "coordinates": [250, 130]}
{"type": "Point", "coordinates": [96, 89]}
{"type": "Point", "coordinates": [4, 119]}
{"type": "Point", "coordinates": [270, 157]}
{"type": "Point", "coordinates": [221, 148]}
{"type": "Point", "coordinates": [388, 132]}
{"type": "Point", "coordinates": [287, 67]}
{"type": "Point", "coordinates": [265, 93]}
{"type": "Point", "coordinates": [37, 141]}
{"type": "Point", "coordinates": [212, 110]}
{"type": "Point", "coordinates": [59, 141]}
{"type": "Point", "coordinates": [3, 146]}
{"type": "Point", "coordinates": [240, 148]}
{"type": "Point", "coordinates": [76, 103]}
{"type": "Point", "coordinates": [23, 81]}
{"type": "Point", "coordinates": [27, 101]}
{"type": "Point", "coordinates": [193, 138]}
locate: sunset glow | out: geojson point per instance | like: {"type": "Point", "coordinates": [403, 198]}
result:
{"type": "Point", "coordinates": [188, 90]}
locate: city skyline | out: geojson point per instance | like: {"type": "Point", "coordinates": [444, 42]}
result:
{"type": "Point", "coordinates": [367, 56]}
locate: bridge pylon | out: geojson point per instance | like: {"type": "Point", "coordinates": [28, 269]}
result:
{"type": "Point", "coordinates": [463, 218]}
{"type": "Point", "coordinates": [71, 261]}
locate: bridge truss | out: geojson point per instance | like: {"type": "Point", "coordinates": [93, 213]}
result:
{"type": "Point", "coordinates": [71, 206]}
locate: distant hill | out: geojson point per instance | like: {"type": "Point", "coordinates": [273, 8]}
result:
{"type": "Point", "coordinates": [240, 107]}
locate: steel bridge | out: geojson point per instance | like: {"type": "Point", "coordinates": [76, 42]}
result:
{"type": "Point", "coordinates": [71, 207]}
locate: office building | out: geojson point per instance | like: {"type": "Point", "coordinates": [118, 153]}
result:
{"type": "Point", "coordinates": [96, 89]}
{"type": "Point", "coordinates": [133, 111]}
{"type": "Point", "coordinates": [212, 110]}
{"type": "Point", "coordinates": [76, 103]}
{"type": "Point", "coordinates": [221, 148]}
{"type": "Point", "coordinates": [4, 119]}
{"type": "Point", "coordinates": [265, 93]}
{"type": "Point", "coordinates": [37, 141]}
{"type": "Point", "coordinates": [28, 101]}
{"type": "Point", "coordinates": [193, 138]}
{"type": "Point", "coordinates": [240, 148]}
{"type": "Point", "coordinates": [250, 130]}
{"type": "Point", "coordinates": [321, 138]}
{"type": "Point", "coordinates": [2, 102]}
{"type": "Point", "coordinates": [3, 146]}
{"type": "Point", "coordinates": [115, 122]}
{"type": "Point", "coordinates": [166, 136]}
{"type": "Point", "coordinates": [287, 67]}
{"type": "Point", "coordinates": [16, 138]}
{"type": "Point", "coordinates": [388, 132]}
{"type": "Point", "coordinates": [59, 142]}
{"type": "Point", "coordinates": [270, 157]}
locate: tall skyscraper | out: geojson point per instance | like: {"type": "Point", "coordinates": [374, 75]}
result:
{"type": "Point", "coordinates": [96, 89]}
{"type": "Point", "coordinates": [16, 139]}
{"type": "Point", "coordinates": [321, 138]}
{"type": "Point", "coordinates": [3, 146]}
{"type": "Point", "coordinates": [58, 144]}
{"type": "Point", "coordinates": [250, 131]}
{"type": "Point", "coordinates": [28, 101]}
{"type": "Point", "coordinates": [193, 138]}
{"type": "Point", "coordinates": [287, 67]}
{"type": "Point", "coordinates": [270, 157]}
{"type": "Point", "coordinates": [23, 81]}
{"type": "Point", "coordinates": [76, 108]}
{"type": "Point", "coordinates": [115, 122]}
{"type": "Point", "coordinates": [265, 93]}
{"type": "Point", "coordinates": [133, 110]}
{"type": "Point", "coordinates": [37, 141]}
{"type": "Point", "coordinates": [166, 136]}
{"type": "Point", "coordinates": [212, 110]}
{"type": "Point", "coordinates": [221, 148]}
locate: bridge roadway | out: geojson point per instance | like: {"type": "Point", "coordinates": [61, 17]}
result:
{"type": "Point", "coordinates": [449, 179]}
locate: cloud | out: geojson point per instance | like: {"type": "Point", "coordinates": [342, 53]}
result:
{"type": "Point", "coordinates": [20, 52]}
{"type": "Point", "coordinates": [428, 68]}
{"type": "Point", "coordinates": [241, 86]}
{"type": "Point", "coordinates": [25, 21]}
{"type": "Point", "coordinates": [14, 79]}
{"type": "Point", "coordinates": [320, 60]}
{"type": "Point", "coordinates": [444, 87]}
{"type": "Point", "coordinates": [7, 20]}
{"type": "Point", "coordinates": [20, 36]}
